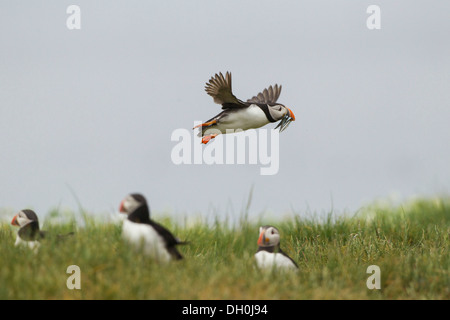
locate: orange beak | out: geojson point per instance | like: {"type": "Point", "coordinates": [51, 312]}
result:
{"type": "Point", "coordinates": [121, 208]}
{"type": "Point", "coordinates": [261, 239]}
{"type": "Point", "coordinates": [291, 114]}
{"type": "Point", "coordinates": [14, 221]}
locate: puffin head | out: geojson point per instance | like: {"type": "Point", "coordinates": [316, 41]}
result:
{"type": "Point", "coordinates": [283, 113]}
{"type": "Point", "coordinates": [24, 217]}
{"type": "Point", "coordinates": [131, 203]}
{"type": "Point", "coordinates": [269, 236]}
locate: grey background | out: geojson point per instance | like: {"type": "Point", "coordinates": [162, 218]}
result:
{"type": "Point", "coordinates": [92, 110]}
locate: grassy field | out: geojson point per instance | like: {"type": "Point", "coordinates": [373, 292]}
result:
{"type": "Point", "coordinates": [409, 242]}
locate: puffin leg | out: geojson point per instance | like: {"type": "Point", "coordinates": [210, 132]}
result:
{"type": "Point", "coordinates": [206, 124]}
{"type": "Point", "coordinates": [206, 139]}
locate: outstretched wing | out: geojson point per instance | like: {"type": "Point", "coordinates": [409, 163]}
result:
{"type": "Point", "coordinates": [268, 96]}
{"type": "Point", "coordinates": [219, 87]}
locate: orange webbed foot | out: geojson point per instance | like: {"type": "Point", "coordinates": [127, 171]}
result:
{"type": "Point", "coordinates": [206, 124]}
{"type": "Point", "coordinates": [206, 139]}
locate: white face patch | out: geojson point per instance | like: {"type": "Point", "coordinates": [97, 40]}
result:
{"type": "Point", "coordinates": [272, 236]}
{"type": "Point", "coordinates": [22, 219]}
{"type": "Point", "coordinates": [130, 204]}
{"type": "Point", "coordinates": [277, 111]}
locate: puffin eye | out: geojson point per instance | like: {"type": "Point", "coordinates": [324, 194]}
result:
{"type": "Point", "coordinates": [272, 231]}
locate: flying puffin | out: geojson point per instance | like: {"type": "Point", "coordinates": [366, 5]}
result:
{"type": "Point", "coordinates": [29, 233]}
{"type": "Point", "coordinates": [239, 115]}
{"type": "Point", "coordinates": [144, 233]}
{"type": "Point", "coordinates": [269, 254]}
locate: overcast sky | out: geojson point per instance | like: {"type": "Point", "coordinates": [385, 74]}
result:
{"type": "Point", "coordinates": [93, 110]}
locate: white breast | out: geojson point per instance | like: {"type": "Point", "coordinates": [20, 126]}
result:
{"type": "Point", "coordinates": [33, 245]}
{"type": "Point", "coordinates": [269, 260]}
{"type": "Point", "coordinates": [144, 237]}
{"type": "Point", "coordinates": [247, 118]}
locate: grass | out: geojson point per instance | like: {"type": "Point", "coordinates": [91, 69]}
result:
{"type": "Point", "coordinates": [410, 244]}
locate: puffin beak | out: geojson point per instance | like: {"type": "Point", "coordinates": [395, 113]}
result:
{"type": "Point", "coordinates": [291, 114]}
{"type": "Point", "coordinates": [14, 221]}
{"type": "Point", "coordinates": [121, 208]}
{"type": "Point", "coordinates": [286, 120]}
{"type": "Point", "coordinates": [261, 239]}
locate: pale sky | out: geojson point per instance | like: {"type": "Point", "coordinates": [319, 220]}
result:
{"type": "Point", "coordinates": [93, 110]}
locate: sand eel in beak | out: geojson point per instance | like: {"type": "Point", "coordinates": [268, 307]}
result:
{"type": "Point", "coordinates": [239, 115]}
{"type": "Point", "coordinates": [269, 254]}
{"type": "Point", "coordinates": [145, 234]}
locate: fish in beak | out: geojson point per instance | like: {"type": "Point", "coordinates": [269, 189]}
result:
{"type": "Point", "coordinates": [286, 120]}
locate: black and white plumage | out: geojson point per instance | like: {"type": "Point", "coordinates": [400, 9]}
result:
{"type": "Point", "coordinates": [145, 234]}
{"type": "Point", "coordinates": [29, 232]}
{"type": "Point", "coordinates": [239, 115]}
{"type": "Point", "coordinates": [269, 254]}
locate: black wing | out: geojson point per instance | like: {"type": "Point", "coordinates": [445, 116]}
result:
{"type": "Point", "coordinates": [219, 87]}
{"type": "Point", "coordinates": [268, 96]}
{"type": "Point", "coordinates": [169, 238]}
{"type": "Point", "coordinates": [284, 254]}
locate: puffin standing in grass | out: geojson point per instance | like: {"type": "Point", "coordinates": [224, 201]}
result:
{"type": "Point", "coordinates": [29, 233]}
{"type": "Point", "coordinates": [269, 254]}
{"type": "Point", "coordinates": [239, 115]}
{"type": "Point", "coordinates": [144, 233]}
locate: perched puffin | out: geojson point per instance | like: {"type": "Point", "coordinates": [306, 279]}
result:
{"type": "Point", "coordinates": [239, 115]}
{"type": "Point", "coordinates": [29, 233]}
{"type": "Point", "coordinates": [269, 254]}
{"type": "Point", "coordinates": [145, 234]}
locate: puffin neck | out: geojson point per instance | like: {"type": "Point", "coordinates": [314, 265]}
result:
{"type": "Point", "coordinates": [271, 249]}
{"type": "Point", "coordinates": [140, 215]}
{"type": "Point", "coordinates": [30, 231]}
{"type": "Point", "coordinates": [265, 109]}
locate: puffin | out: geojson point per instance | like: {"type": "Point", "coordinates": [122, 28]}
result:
{"type": "Point", "coordinates": [239, 115]}
{"type": "Point", "coordinates": [145, 234]}
{"type": "Point", "coordinates": [269, 254]}
{"type": "Point", "coordinates": [29, 232]}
